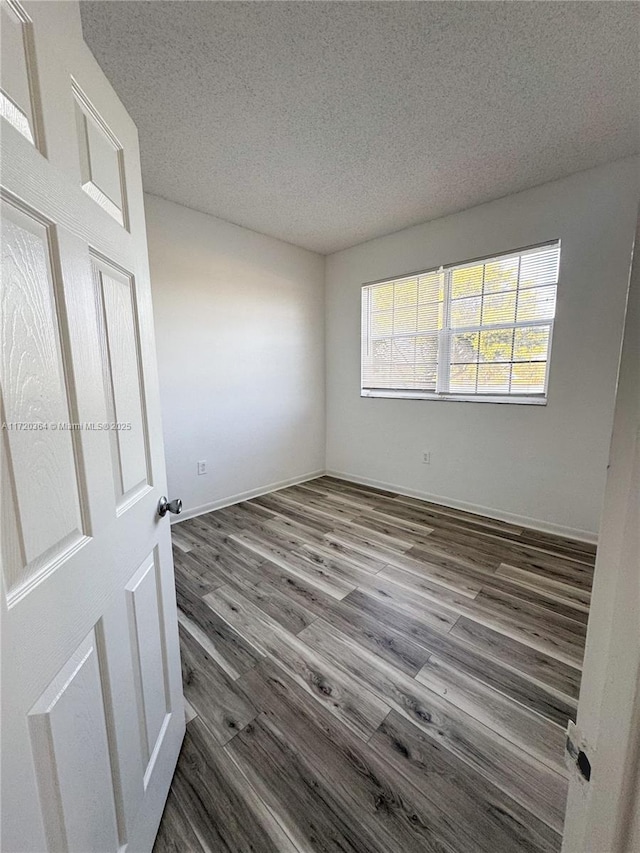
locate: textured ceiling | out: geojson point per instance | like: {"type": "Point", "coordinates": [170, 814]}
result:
{"type": "Point", "coordinates": [329, 123]}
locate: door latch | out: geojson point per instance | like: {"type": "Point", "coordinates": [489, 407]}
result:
{"type": "Point", "coordinates": [575, 755]}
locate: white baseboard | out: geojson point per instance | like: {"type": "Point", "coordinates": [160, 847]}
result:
{"type": "Point", "coordinates": [489, 512]}
{"type": "Point", "coordinates": [477, 509]}
{"type": "Point", "coordinates": [245, 496]}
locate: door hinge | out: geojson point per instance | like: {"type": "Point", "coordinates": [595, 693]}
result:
{"type": "Point", "coordinates": [575, 754]}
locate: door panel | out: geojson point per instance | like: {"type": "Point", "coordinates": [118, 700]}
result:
{"type": "Point", "coordinates": [92, 704]}
{"type": "Point", "coordinates": [71, 753]}
{"type": "Point", "coordinates": [19, 97]}
{"type": "Point", "coordinates": [39, 447]}
{"type": "Point", "coordinates": [101, 164]}
{"type": "Point", "coordinates": [147, 642]}
{"type": "Point", "coordinates": [115, 293]}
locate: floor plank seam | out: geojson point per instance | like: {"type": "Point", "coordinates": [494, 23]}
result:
{"type": "Point", "coordinates": [265, 804]}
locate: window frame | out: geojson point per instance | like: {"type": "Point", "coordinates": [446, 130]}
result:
{"type": "Point", "coordinates": [445, 335]}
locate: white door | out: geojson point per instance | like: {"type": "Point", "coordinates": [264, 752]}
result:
{"type": "Point", "coordinates": [92, 716]}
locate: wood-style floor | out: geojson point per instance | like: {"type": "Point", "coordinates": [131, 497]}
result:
{"type": "Point", "coordinates": [369, 672]}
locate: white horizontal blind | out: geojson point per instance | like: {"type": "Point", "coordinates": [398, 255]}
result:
{"type": "Point", "coordinates": [401, 320]}
{"type": "Point", "coordinates": [478, 329]}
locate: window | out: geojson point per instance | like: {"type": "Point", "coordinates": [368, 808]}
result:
{"type": "Point", "coordinates": [475, 331]}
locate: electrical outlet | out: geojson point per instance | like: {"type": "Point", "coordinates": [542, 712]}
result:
{"type": "Point", "coordinates": [202, 466]}
{"type": "Point", "coordinates": [426, 457]}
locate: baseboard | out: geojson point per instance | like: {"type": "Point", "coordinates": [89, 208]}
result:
{"type": "Point", "coordinates": [245, 496]}
{"type": "Point", "coordinates": [489, 512]}
{"type": "Point", "coordinates": [477, 509]}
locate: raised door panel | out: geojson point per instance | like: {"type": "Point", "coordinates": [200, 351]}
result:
{"type": "Point", "coordinates": [19, 101]}
{"type": "Point", "coordinates": [118, 684]}
{"type": "Point", "coordinates": [40, 525]}
{"type": "Point", "coordinates": [115, 292]}
{"type": "Point", "coordinates": [70, 748]}
{"type": "Point", "coordinates": [101, 159]}
{"type": "Point", "coordinates": [144, 605]}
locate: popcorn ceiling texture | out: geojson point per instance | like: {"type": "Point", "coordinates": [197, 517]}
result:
{"type": "Point", "coordinates": [327, 124]}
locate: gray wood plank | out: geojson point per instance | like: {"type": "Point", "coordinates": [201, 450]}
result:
{"type": "Point", "coordinates": [180, 543]}
{"type": "Point", "coordinates": [350, 485]}
{"type": "Point", "coordinates": [292, 532]}
{"type": "Point", "coordinates": [294, 587]}
{"type": "Point", "coordinates": [314, 486]}
{"type": "Point", "coordinates": [249, 512]}
{"type": "Point", "coordinates": [540, 667]}
{"type": "Point", "coordinates": [516, 618]}
{"type": "Point", "coordinates": [404, 817]}
{"type": "Point", "coordinates": [574, 549]}
{"type": "Point", "coordinates": [358, 708]}
{"type": "Point", "coordinates": [382, 610]}
{"type": "Point", "coordinates": [518, 774]}
{"type": "Point", "coordinates": [313, 503]}
{"type": "Point", "coordinates": [514, 722]}
{"type": "Point", "coordinates": [384, 640]}
{"type": "Point", "coordinates": [377, 520]}
{"type": "Point", "coordinates": [199, 565]}
{"type": "Point", "coordinates": [190, 589]}
{"type": "Point", "coordinates": [212, 694]}
{"type": "Point", "coordinates": [454, 556]}
{"type": "Point", "coordinates": [286, 610]}
{"type": "Point", "coordinates": [200, 528]}
{"type": "Point", "coordinates": [368, 545]}
{"type": "Point", "coordinates": [293, 512]}
{"type": "Point", "coordinates": [229, 557]}
{"type": "Point", "coordinates": [503, 551]}
{"type": "Point", "coordinates": [295, 562]}
{"type": "Point", "coordinates": [345, 556]}
{"type": "Point", "coordinates": [344, 566]}
{"type": "Point", "coordinates": [541, 598]}
{"type": "Point", "coordinates": [496, 822]}
{"type": "Point", "coordinates": [508, 615]}
{"type": "Point", "coordinates": [564, 592]}
{"type": "Point", "coordinates": [448, 602]}
{"type": "Point", "coordinates": [224, 810]}
{"type": "Point", "coordinates": [398, 540]}
{"type": "Point", "coordinates": [176, 834]}
{"type": "Point", "coordinates": [226, 646]}
{"type": "Point", "coordinates": [502, 674]}
{"type": "Point", "coordinates": [467, 518]}
{"type": "Point", "coordinates": [312, 814]}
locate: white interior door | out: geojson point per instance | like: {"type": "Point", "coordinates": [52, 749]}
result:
{"type": "Point", "coordinates": [92, 702]}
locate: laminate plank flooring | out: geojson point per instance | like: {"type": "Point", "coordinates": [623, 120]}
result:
{"type": "Point", "coordinates": [215, 799]}
{"type": "Point", "coordinates": [517, 773]}
{"type": "Point", "coordinates": [358, 708]}
{"type": "Point", "coordinates": [210, 692]}
{"type": "Point", "coordinates": [366, 671]}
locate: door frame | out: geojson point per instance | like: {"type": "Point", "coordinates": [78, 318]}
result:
{"type": "Point", "coordinates": [603, 814]}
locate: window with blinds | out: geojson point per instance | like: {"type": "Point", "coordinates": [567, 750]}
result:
{"type": "Point", "coordinates": [479, 330]}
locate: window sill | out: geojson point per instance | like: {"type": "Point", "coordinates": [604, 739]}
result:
{"type": "Point", "coordinates": [457, 398]}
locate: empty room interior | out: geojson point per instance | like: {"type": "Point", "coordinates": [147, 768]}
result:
{"type": "Point", "coordinates": [320, 403]}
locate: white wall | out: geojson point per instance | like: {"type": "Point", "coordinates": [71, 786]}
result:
{"type": "Point", "coordinates": [547, 464]}
{"type": "Point", "coordinates": [240, 336]}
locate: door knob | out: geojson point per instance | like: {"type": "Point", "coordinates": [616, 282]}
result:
{"type": "Point", "coordinates": [165, 506]}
